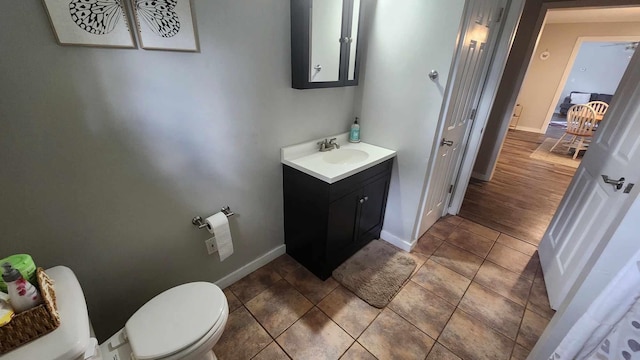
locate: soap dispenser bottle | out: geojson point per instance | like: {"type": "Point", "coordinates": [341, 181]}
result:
{"type": "Point", "coordinates": [354, 134]}
{"type": "Point", "coordinates": [22, 295]}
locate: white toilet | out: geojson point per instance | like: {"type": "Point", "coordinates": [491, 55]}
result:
{"type": "Point", "coordinates": [184, 322]}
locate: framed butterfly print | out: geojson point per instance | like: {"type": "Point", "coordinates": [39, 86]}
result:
{"type": "Point", "coordinates": [90, 22]}
{"type": "Point", "coordinates": [165, 24]}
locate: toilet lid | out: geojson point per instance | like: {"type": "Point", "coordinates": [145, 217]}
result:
{"type": "Point", "coordinates": [174, 319]}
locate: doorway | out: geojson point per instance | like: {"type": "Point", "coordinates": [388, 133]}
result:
{"type": "Point", "coordinates": [530, 179]}
{"type": "Point", "coordinates": [521, 193]}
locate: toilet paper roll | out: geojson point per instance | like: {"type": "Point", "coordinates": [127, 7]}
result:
{"type": "Point", "coordinates": [218, 225]}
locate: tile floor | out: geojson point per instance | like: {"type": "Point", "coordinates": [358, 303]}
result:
{"type": "Point", "coordinates": [475, 294]}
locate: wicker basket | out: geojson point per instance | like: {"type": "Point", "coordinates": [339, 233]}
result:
{"type": "Point", "coordinates": [33, 323]}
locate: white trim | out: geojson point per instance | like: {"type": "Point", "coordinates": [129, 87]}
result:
{"type": "Point", "coordinates": [252, 266]}
{"type": "Point", "coordinates": [569, 67]}
{"type": "Point", "coordinates": [531, 129]}
{"type": "Point", "coordinates": [492, 82]}
{"type": "Point", "coordinates": [396, 241]}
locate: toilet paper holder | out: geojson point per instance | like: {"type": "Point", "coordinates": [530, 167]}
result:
{"type": "Point", "coordinates": [197, 221]}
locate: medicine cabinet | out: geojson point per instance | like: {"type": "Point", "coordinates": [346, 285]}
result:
{"type": "Point", "coordinates": [325, 43]}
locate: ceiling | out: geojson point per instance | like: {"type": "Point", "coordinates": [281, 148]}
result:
{"type": "Point", "coordinates": [619, 14]}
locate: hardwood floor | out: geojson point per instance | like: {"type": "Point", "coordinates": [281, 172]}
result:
{"type": "Point", "coordinates": [524, 193]}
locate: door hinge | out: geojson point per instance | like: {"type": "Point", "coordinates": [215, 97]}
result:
{"type": "Point", "coordinates": [472, 116]}
{"type": "Point", "coordinates": [450, 188]}
{"type": "Point", "coordinates": [500, 15]}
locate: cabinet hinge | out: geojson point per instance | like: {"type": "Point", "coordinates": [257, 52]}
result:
{"type": "Point", "coordinates": [450, 188]}
{"type": "Point", "coordinates": [472, 116]}
{"type": "Point", "coordinates": [500, 15]}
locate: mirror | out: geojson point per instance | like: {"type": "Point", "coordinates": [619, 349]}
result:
{"type": "Point", "coordinates": [324, 43]}
{"type": "Point", "coordinates": [326, 35]}
{"type": "Point", "coordinates": [353, 39]}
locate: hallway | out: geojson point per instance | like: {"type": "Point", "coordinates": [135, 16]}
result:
{"type": "Point", "coordinates": [524, 193]}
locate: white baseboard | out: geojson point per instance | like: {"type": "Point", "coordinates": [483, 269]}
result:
{"type": "Point", "coordinates": [254, 265]}
{"type": "Point", "coordinates": [530, 129]}
{"type": "Point", "coordinates": [396, 241]}
{"type": "Point", "coordinates": [480, 176]}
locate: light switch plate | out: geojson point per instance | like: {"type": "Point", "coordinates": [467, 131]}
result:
{"type": "Point", "coordinates": [211, 245]}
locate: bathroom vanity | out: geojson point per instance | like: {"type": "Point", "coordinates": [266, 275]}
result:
{"type": "Point", "coordinates": [334, 201]}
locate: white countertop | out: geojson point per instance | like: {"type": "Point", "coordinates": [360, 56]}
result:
{"type": "Point", "coordinates": [306, 158]}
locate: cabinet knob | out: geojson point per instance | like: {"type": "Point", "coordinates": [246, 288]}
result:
{"type": "Point", "coordinates": [366, 198]}
{"type": "Point", "coordinates": [362, 201]}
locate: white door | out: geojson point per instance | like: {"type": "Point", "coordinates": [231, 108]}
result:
{"type": "Point", "coordinates": [591, 209]}
{"type": "Point", "coordinates": [482, 22]}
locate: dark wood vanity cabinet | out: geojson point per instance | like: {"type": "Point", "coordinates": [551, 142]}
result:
{"type": "Point", "coordinates": [327, 223]}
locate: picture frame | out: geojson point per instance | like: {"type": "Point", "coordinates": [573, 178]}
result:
{"type": "Point", "coordinates": [103, 23]}
{"type": "Point", "coordinates": [165, 25]}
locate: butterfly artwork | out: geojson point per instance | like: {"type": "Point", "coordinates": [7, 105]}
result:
{"type": "Point", "coordinates": [165, 24]}
{"type": "Point", "coordinates": [90, 22]}
{"type": "Point", "coordinates": [97, 17]}
{"type": "Point", "coordinates": [160, 16]}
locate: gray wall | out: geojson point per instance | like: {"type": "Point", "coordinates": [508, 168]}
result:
{"type": "Point", "coordinates": [107, 154]}
{"type": "Point", "coordinates": [597, 69]}
{"type": "Point", "coordinates": [400, 105]}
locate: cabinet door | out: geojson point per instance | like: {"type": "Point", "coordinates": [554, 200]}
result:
{"type": "Point", "coordinates": [343, 214]}
{"type": "Point", "coordinates": [324, 43]}
{"type": "Point", "coordinates": [373, 204]}
{"type": "Point", "coordinates": [326, 37]}
{"type": "Point", "coordinates": [351, 34]}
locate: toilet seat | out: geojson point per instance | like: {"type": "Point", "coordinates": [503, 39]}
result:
{"type": "Point", "coordinates": [177, 320]}
{"type": "Point", "coordinates": [205, 344]}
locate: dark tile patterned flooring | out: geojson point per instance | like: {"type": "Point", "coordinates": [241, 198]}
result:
{"type": "Point", "coordinates": [476, 294]}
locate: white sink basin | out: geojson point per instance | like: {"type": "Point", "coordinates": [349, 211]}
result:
{"type": "Point", "coordinates": [336, 164]}
{"type": "Point", "coordinates": [345, 156]}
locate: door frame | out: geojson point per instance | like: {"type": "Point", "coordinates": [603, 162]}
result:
{"type": "Point", "coordinates": [520, 53]}
{"type": "Point", "coordinates": [498, 61]}
{"type": "Point", "coordinates": [592, 278]}
{"type": "Point", "coordinates": [498, 55]}
{"type": "Point", "coordinates": [513, 14]}
{"type": "Point", "coordinates": [569, 67]}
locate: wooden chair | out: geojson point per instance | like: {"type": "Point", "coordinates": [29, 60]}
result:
{"type": "Point", "coordinates": [581, 121]}
{"type": "Point", "coordinates": [600, 107]}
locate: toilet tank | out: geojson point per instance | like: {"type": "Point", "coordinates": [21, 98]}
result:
{"type": "Point", "coordinates": [72, 338]}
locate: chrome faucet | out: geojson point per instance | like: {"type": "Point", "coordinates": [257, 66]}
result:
{"type": "Point", "coordinates": [328, 145]}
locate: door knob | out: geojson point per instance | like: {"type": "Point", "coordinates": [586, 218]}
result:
{"type": "Point", "coordinates": [433, 75]}
{"type": "Point", "coordinates": [616, 183]}
{"type": "Point", "coordinates": [446, 142]}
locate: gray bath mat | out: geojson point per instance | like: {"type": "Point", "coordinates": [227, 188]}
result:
{"type": "Point", "coordinates": [376, 272]}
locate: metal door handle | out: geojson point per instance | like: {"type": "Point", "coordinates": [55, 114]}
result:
{"type": "Point", "coordinates": [616, 183]}
{"type": "Point", "coordinates": [446, 142]}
